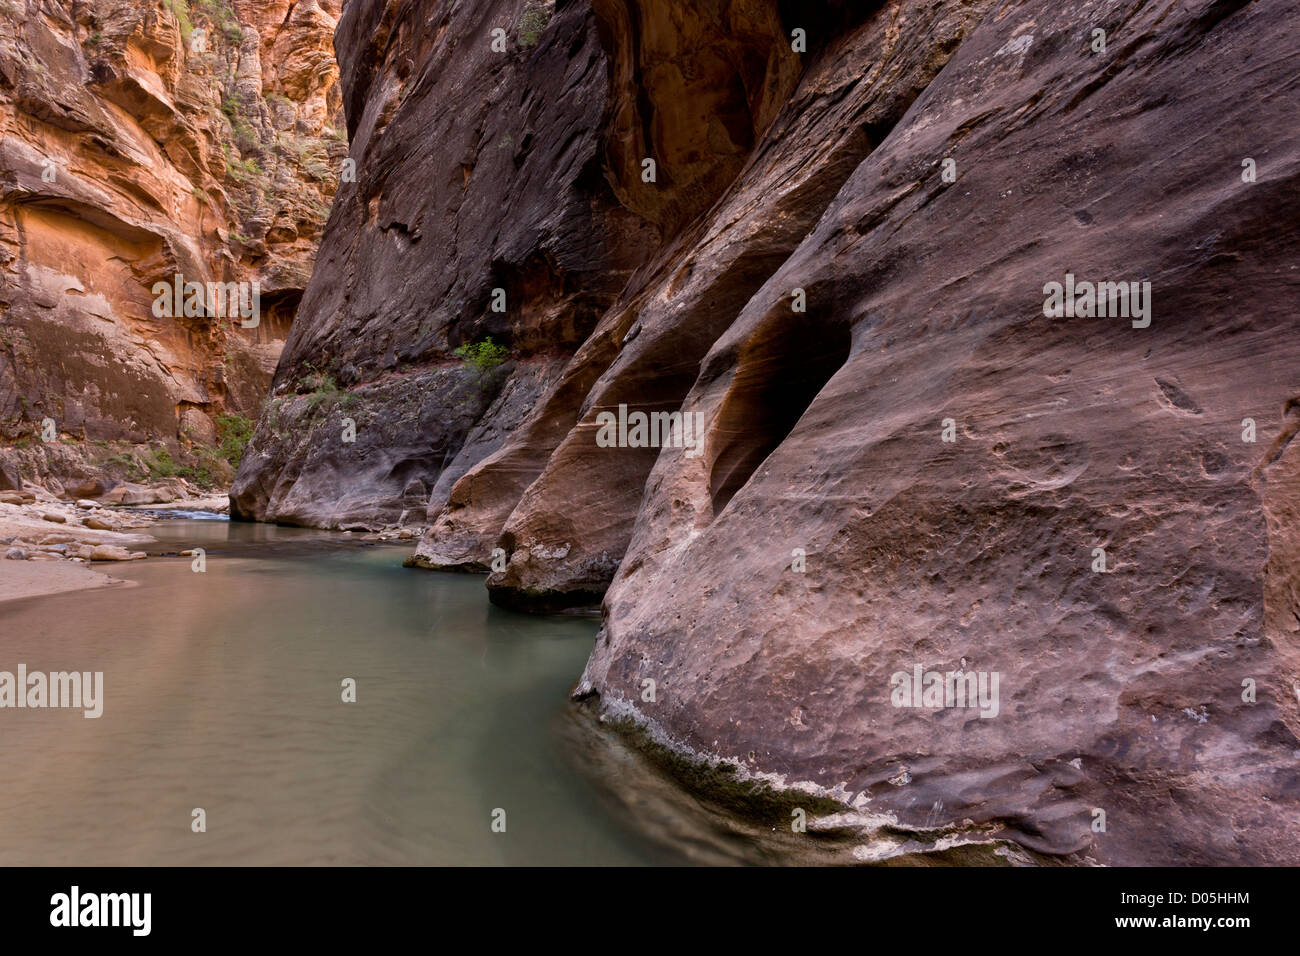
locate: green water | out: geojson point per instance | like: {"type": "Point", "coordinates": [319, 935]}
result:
{"type": "Point", "coordinates": [222, 691]}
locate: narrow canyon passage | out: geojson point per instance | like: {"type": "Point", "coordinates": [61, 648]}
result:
{"type": "Point", "coordinates": [735, 431]}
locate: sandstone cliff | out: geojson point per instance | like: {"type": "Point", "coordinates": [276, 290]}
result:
{"type": "Point", "coordinates": [838, 260]}
{"type": "Point", "coordinates": [139, 140]}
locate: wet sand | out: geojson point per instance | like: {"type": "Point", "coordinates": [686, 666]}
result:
{"type": "Point", "coordinates": [22, 579]}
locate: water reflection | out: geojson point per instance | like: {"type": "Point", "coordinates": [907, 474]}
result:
{"type": "Point", "coordinates": [222, 691]}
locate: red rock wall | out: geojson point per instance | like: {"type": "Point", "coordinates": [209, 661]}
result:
{"type": "Point", "coordinates": [139, 140]}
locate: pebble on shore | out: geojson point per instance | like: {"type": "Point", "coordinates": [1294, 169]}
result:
{"type": "Point", "coordinates": [88, 531]}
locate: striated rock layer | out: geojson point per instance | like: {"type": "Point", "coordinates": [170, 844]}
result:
{"type": "Point", "coordinates": [476, 171]}
{"type": "Point", "coordinates": [839, 269]}
{"type": "Point", "coordinates": [140, 140]}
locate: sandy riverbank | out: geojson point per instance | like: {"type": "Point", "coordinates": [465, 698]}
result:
{"type": "Point", "coordinates": [23, 579]}
{"type": "Point", "coordinates": [48, 545]}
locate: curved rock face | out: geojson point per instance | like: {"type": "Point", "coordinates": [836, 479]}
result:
{"type": "Point", "coordinates": [898, 469]}
{"type": "Point", "coordinates": [142, 140]}
{"type": "Point", "coordinates": [476, 171]}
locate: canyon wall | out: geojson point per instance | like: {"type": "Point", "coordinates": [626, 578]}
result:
{"type": "Point", "coordinates": [829, 239]}
{"type": "Point", "coordinates": [141, 140]}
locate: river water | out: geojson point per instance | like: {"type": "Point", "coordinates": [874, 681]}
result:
{"type": "Point", "coordinates": [223, 691]}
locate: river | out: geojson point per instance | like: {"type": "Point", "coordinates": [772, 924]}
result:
{"type": "Point", "coordinates": [223, 692]}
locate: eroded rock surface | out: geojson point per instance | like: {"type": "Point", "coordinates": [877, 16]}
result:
{"type": "Point", "coordinates": [140, 140]}
{"type": "Point", "coordinates": [808, 275]}
{"type": "Point", "coordinates": [476, 171]}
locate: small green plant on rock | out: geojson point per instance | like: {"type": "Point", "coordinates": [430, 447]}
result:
{"type": "Point", "coordinates": [123, 460]}
{"type": "Point", "coordinates": [158, 464]}
{"type": "Point", "coordinates": [233, 435]}
{"type": "Point", "coordinates": [241, 171]}
{"type": "Point", "coordinates": [272, 412]}
{"type": "Point", "coordinates": [181, 11]}
{"type": "Point", "coordinates": [324, 391]}
{"type": "Point", "coordinates": [200, 474]}
{"type": "Point", "coordinates": [483, 356]}
{"type": "Point", "coordinates": [532, 22]}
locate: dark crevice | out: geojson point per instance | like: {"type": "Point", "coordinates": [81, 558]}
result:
{"type": "Point", "coordinates": [825, 22]}
{"type": "Point", "coordinates": [1290, 428]}
{"type": "Point", "coordinates": [778, 375]}
{"type": "Point", "coordinates": [278, 312]}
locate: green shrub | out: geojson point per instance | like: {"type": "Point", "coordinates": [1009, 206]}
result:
{"type": "Point", "coordinates": [198, 474]}
{"type": "Point", "coordinates": [239, 170]}
{"type": "Point", "coordinates": [181, 10]}
{"type": "Point", "coordinates": [123, 460]}
{"type": "Point", "coordinates": [218, 13]}
{"type": "Point", "coordinates": [323, 391]}
{"type": "Point", "coordinates": [532, 22]}
{"type": "Point", "coordinates": [233, 435]}
{"type": "Point", "coordinates": [158, 463]}
{"type": "Point", "coordinates": [483, 356]}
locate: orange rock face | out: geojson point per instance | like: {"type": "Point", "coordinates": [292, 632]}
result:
{"type": "Point", "coordinates": [138, 141]}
